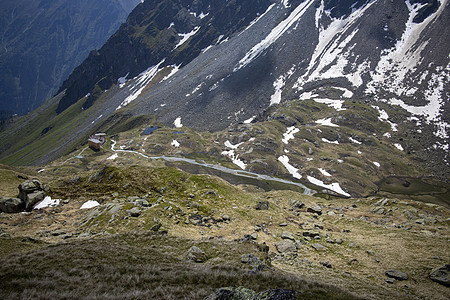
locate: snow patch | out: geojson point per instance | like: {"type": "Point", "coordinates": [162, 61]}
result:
{"type": "Point", "coordinates": [177, 123]}
{"type": "Point", "coordinates": [235, 159]}
{"type": "Point", "coordinates": [141, 82]}
{"type": "Point", "coordinates": [399, 147]}
{"type": "Point", "coordinates": [289, 134]}
{"type": "Point", "coordinates": [330, 142]}
{"type": "Point", "coordinates": [122, 80]}
{"type": "Point", "coordinates": [113, 157]}
{"type": "Point", "coordinates": [248, 121]}
{"type": "Point", "coordinates": [175, 143]}
{"type": "Point", "coordinates": [274, 35]}
{"type": "Point", "coordinates": [228, 144]}
{"type": "Point", "coordinates": [89, 204]}
{"type": "Point", "coordinates": [326, 122]}
{"type": "Point", "coordinates": [47, 202]}
{"type": "Point", "coordinates": [324, 172]}
{"type": "Point", "coordinates": [335, 187]}
{"type": "Point", "coordinates": [186, 36]}
{"type": "Point", "coordinates": [354, 141]}
{"type": "Point", "coordinates": [290, 168]}
{"type": "Point", "coordinates": [336, 104]}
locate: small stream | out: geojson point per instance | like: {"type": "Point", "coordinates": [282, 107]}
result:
{"type": "Point", "coordinates": [250, 177]}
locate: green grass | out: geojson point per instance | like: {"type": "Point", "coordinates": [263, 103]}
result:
{"type": "Point", "coordinates": [142, 266]}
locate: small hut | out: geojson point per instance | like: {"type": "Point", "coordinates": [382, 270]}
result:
{"type": "Point", "coordinates": [94, 144]}
{"type": "Point", "coordinates": [95, 141]}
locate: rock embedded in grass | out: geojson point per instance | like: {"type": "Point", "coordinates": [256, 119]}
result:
{"type": "Point", "coordinates": [262, 205]}
{"type": "Point", "coordinates": [286, 246]}
{"type": "Point", "coordinates": [441, 275]}
{"type": "Point", "coordinates": [396, 274]}
{"type": "Point", "coordinates": [196, 255]}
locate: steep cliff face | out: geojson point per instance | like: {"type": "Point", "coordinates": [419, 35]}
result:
{"type": "Point", "coordinates": [42, 41]}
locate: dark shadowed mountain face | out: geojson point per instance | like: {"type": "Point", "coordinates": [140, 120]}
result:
{"type": "Point", "coordinates": [212, 64]}
{"type": "Point", "coordinates": [42, 41]}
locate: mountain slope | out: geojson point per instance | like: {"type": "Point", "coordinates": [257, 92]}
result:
{"type": "Point", "coordinates": [42, 42]}
{"type": "Point", "coordinates": [377, 71]}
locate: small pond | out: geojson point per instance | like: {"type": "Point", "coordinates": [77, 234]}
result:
{"type": "Point", "coordinates": [150, 130]}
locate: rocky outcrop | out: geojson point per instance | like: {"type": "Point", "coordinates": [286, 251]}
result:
{"type": "Point", "coordinates": [441, 275]}
{"type": "Point", "coordinates": [31, 192]}
{"type": "Point", "coordinates": [11, 205]}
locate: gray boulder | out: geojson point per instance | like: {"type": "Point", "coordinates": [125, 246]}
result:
{"type": "Point", "coordinates": [286, 246]}
{"type": "Point", "coordinates": [262, 205]}
{"type": "Point", "coordinates": [134, 212]}
{"type": "Point", "coordinates": [319, 247]}
{"type": "Point", "coordinates": [296, 204]}
{"type": "Point", "coordinates": [11, 205]}
{"type": "Point", "coordinates": [316, 209]}
{"type": "Point", "coordinates": [33, 198]}
{"type": "Point", "coordinates": [29, 187]}
{"type": "Point", "coordinates": [287, 235]}
{"type": "Point", "coordinates": [441, 275]}
{"type": "Point", "coordinates": [396, 274]}
{"type": "Point", "coordinates": [196, 255]}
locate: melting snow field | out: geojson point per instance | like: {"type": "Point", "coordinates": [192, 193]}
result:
{"type": "Point", "coordinates": [289, 134]}
{"type": "Point", "coordinates": [47, 202]}
{"type": "Point", "coordinates": [330, 142]}
{"type": "Point", "coordinates": [290, 168]}
{"type": "Point", "coordinates": [333, 187]}
{"type": "Point", "coordinates": [399, 147]}
{"type": "Point", "coordinates": [234, 158]}
{"type": "Point", "coordinates": [113, 157]}
{"type": "Point", "coordinates": [177, 123]}
{"type": "Point", "coordinates": [326, 122]}
{"type": "Point", "coordinates": [274, 35]}
{"type": "Point", "coordinates": [175, 143]}
{"type": "Point", "coordinates": [141, 82]}
{"type": "Point", "coordinates": [186, 36]}
{"type": "Point", "coordinates": [324, 172]}
{"type": "Point", "coordinates": [89, 204]}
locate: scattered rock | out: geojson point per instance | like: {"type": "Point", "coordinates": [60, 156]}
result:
{"type": "Point", "coordinates": [284, 224]}
{"type": "Point", "coordinates": [353, 261]}
{"type": "Point", "coordinates": [311, 234]}
{"type": "Point", "coordinates": [325, 263]}
{"type": "Point", "coordinates": [441, 275]}
{"type": "Point", "coordinates": [390, 280]}
{"type": "Point", "coordinates": [156, 227]}
{"type": "Point", "coordinates": [196, 255]}
{"type": "Point", "coordinates": [396, 274]}
{"type": "Point", "coordinates": [254, 236]}
{"type": "Point", "coordinates": [286, 246]}
{"type": "Point", "coordinates": [11, 205]}
{"type": "Point", "coordinates": [287, 235]}
{"type": "Point", "coordinates": [242, 293]}
{"type": "Point", "coordinates": [262, 205]}
{"type": "Point", "coordinates": [316, 209]}
{"type": "Point", "coordinates": [134, 212]}
{"type": "Point", "coordinates": [319, 247]}
{"type": "Point", "coordinates": [226, 218]}
{"type": "Point", "coordinates": [295, 204]}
